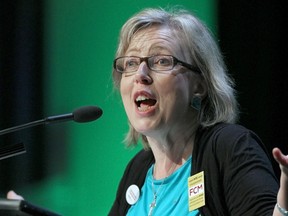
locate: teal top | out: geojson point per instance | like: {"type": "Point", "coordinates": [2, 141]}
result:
{"type": "Point", "coordinates": [172, 194]}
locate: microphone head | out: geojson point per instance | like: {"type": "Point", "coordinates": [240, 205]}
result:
{"type": "Point", "coordinates": [87, 114]}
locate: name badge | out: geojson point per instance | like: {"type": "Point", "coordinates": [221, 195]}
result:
{"type": "Point", "coordinates": [196, 191]}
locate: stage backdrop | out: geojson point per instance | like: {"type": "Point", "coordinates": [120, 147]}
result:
{"type": "Point", "coordinates": [86, 161]}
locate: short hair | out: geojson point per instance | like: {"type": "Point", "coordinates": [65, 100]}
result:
{"type": "Point", "coordinates": [220, 105]}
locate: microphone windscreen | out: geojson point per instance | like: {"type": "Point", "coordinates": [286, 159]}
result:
{"type": "Point", "coordinates": [87, 113]}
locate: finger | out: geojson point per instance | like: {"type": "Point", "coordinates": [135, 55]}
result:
{"type": "Point", "coordinates": [276, 154]}
{"type": "Point", "coordinates": [13, 195]}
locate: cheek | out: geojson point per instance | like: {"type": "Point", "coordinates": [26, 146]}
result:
{"type": "Point", "coordinates": [175, 91]}
{"type": "Point", "coordinates": [123, 87]}
{"type": "Point", "coordinates": [125, 91]}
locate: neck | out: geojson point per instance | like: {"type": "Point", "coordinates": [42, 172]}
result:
{"type": "Point", "coordinates": [169, 159]}
{"type": "Point", "coordinates": [172, 146]}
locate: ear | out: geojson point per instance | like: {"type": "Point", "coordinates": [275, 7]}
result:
{"type": "Point", "coordinates": [199, 88]}
{"type": "Point", "coordinates": [199, 92]}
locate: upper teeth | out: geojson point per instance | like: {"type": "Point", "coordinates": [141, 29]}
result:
{"type": "Point", "coordinates": [141, 98]}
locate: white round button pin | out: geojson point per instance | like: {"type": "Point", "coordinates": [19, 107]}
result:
{"type": "Point", "coordinates": [132, 194]}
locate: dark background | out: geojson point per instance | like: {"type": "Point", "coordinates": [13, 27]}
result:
{"type": "Point", "coordinates": [20, 85]}
{"type": "Point", "coordinates": [253, 39]}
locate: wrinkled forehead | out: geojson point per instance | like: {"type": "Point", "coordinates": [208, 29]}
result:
{"type": "Point", "coordinates": [153, 39]}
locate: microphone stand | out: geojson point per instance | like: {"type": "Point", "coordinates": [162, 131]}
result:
{"type": "Point", "coordinates": [81, 115]}
{"type": "Point", "coordinates": [23, 126]}
{"type": "Point", "coordinates": [22, 207]}
{"type": "Point", "coordinates": [48, 120]}
{"type": "Point", "coordinates": [19, 148]}
{"type": "Point", "coordinates": [12, 150]}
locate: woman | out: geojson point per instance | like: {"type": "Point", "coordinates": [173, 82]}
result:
{"type": "Point", "coordinates": [181, 103]}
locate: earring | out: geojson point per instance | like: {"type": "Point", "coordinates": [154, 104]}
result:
{"type": "Point", "coordinates": [196, 103]}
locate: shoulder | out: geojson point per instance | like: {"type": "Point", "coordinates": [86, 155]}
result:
{"type": "Point", "coordinates": [222, 129]}
{"type": "Point", "coordinates": [233, 156]}
{"type": "Point", "coordinates": [223, 139]}
{"type": "Point", "coordinates": [224, 132]}
{"type": "Point", "coordinates": [141, 161]}
{"type": "Point", "coordinates": [142, 158]}
{"type": "Point", "coordinates": [134, 173]}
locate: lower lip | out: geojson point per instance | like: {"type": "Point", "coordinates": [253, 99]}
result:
{"type": "Point", "coordinates": [147, 112]}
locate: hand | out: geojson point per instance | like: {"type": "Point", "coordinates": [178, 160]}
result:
{"type": "Point", "coordinates": [283, 190]}
{"type": "Point", "coordinates": [13, 195]}
{"type": "Point", "coordinates": [282, 160]}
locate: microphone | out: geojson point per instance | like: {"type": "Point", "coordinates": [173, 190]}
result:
{"type": "Point", "coordinates": [80, 115]}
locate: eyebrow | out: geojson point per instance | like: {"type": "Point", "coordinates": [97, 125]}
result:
{"type": "Point", "coordinates": [152, 49]}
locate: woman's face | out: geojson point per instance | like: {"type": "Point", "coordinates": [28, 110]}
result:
{"type": "Point", "coordinates": [158, 102]}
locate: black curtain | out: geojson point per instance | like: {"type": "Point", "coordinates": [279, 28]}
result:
{"type": "Point", "coordinates": [21, 89]}
{"type": "Point", "coordinates": [254, 42]}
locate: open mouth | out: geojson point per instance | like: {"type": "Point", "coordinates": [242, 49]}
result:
{"type": "Point", "coordinates": [144, 103]}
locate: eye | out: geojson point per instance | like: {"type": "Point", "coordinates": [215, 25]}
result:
{"type": "Point", "coordinates": [131, 63]}
{"type": "Point", "coordinates": [163, 61]}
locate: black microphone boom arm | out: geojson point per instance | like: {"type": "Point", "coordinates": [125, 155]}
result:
{"type": "Point", "coordinates": [23, 126]}
{"type": "Point", "coordinates": [81, 115]}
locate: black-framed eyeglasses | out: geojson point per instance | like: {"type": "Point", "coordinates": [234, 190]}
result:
{"type": "Point", "coordinates": [157, 63]}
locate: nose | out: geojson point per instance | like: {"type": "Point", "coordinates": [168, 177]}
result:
{"type": "Point", "coordinates": [143, 74]}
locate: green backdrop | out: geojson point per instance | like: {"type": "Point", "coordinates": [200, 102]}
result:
{"type": "Point", "coordinates": [80, 38]}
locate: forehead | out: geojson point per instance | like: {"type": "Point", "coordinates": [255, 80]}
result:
{"type": "Point", "coordinates": [153, 40]}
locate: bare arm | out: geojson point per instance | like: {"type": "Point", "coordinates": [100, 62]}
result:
{"type": "Point", "coordinates": [283, 191]}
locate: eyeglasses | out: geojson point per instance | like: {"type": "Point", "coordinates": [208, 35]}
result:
{"type": "Point", "coordinates": [157, 63]}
